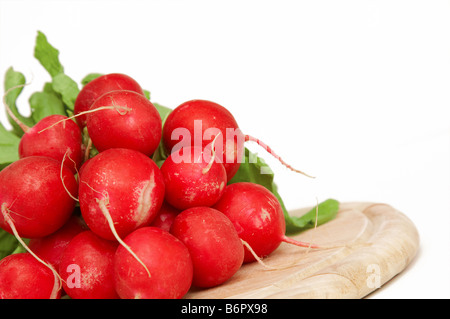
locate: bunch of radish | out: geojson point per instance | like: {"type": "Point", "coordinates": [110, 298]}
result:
{"type": "Point", "coordinates": [119, 224]}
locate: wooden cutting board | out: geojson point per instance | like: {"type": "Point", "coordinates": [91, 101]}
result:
{"type": "Point", "coordinates": [365, 246]}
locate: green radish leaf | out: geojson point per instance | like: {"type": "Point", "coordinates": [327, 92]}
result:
{"type": "Point", "coordinates": [20, 249]}
{"type": "Point", "coordinates": [9, 144]}
{"type": "Point", "coordinates": [15, 79]}
{"type": "Point", "coordinates": [47, 55]}
{"type": "Point", "coordinates": [68, 89]}
{"type": "Point", "coordinates": [324, 211]}
{"type": "Point", "coordinates": [46, 103]}
{"type": "Point", "coordinates": [250, 171]}
{"type": "Point", "coordinates": [8, 243]}
{"type": "Point", "coordinates": [160, 155]}
{"type": "Point", "coordinates": [163, 111]}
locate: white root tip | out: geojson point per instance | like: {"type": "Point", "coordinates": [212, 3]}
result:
{"type": "Point", "coordinates": [108, 217]}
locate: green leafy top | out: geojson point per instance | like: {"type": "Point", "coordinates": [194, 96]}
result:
{"type": "Point", "coordinates": [47, 55]}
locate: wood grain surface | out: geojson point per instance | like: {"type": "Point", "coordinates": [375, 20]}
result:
{"type": "Point", "coordinates": [365, 246]}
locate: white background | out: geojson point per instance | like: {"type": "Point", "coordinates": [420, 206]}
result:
{"type": "Point", "coordinates": [353, 92]}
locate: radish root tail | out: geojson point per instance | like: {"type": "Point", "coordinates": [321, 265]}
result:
{"type": "Point", "coordinates": [258, 259]}
{"type": "Point", "coordinates": [299, 243]}
{"type": "Point", "coordinates": [61, 174]}
{"type": "Point", "coordinates": [104, 209]}
{"type": "Point", "coordinates": [58, 280]}
{"type": "Point", "coordinates": [118, 108]}
{"type": "Point", "coordinates": [269, 150]}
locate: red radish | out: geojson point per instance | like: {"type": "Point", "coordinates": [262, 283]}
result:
{"type": "Point", "coordinates": [257, 216]}
{"type": "Point", "coordinates": [120, 191]}
{"type": "Point", "coordinates": [23, 277]}
{"type": "Point", "coordinates": [212, 116]}
{"type": "Point", "coordinates": [34, 196]}
{"type": "Point", "coordinates": [87, 267]}
{"type": "Point", "coordinates": [165, 217]}
{"type": "Point", "coordinates": [123, 183]}
{"type": "Point", "coordinates": [53, 136]}
{"type": "Point", "coordinates": [201, 121]}
{"type": "Point", "coordinates": [214, 245]}
{"type": "Point", "coordinates": [198, 180]}
{"type": "Point", "coordinates": [61, 142]}
{"type": "Point", "coordinates": [124, 119]}
{"type": "Point", "coordinates": [167, 259]}
{"type": "Point", "coordinates": [99, 86]}
{"type": "Point", "coordinates": [51, 247]}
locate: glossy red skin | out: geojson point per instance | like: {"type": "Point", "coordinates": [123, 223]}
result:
{"type": "Point", "coordinates": [214, 245]}
{"type": "Point", "coordinates": [132, 186]}
{"type": "Point", "coordinates": [99, 86]}
{"type": "Point", "coordinates": [23, 277]}
{"type": "Point", "coordinates": [257, 216]}
{"type": "Point", "coordinates": [167, 260]}
{"type": "Point", "coordinates": [51, 247]}
{"type": "Point", "coordinates": [94, 256]}
{"type": "Point", "coordinates": [186, 183]}
{"type": "Point", "coordinates": [212, 115]}
{"type": "Point", "coordinates": [32, 190]}
{"type": "Point", "coordinates": [165, 217]}
{"type": "Point", "coordinates": [54, 142]}
{"type": "Point", "coordinates": [138, 128]}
